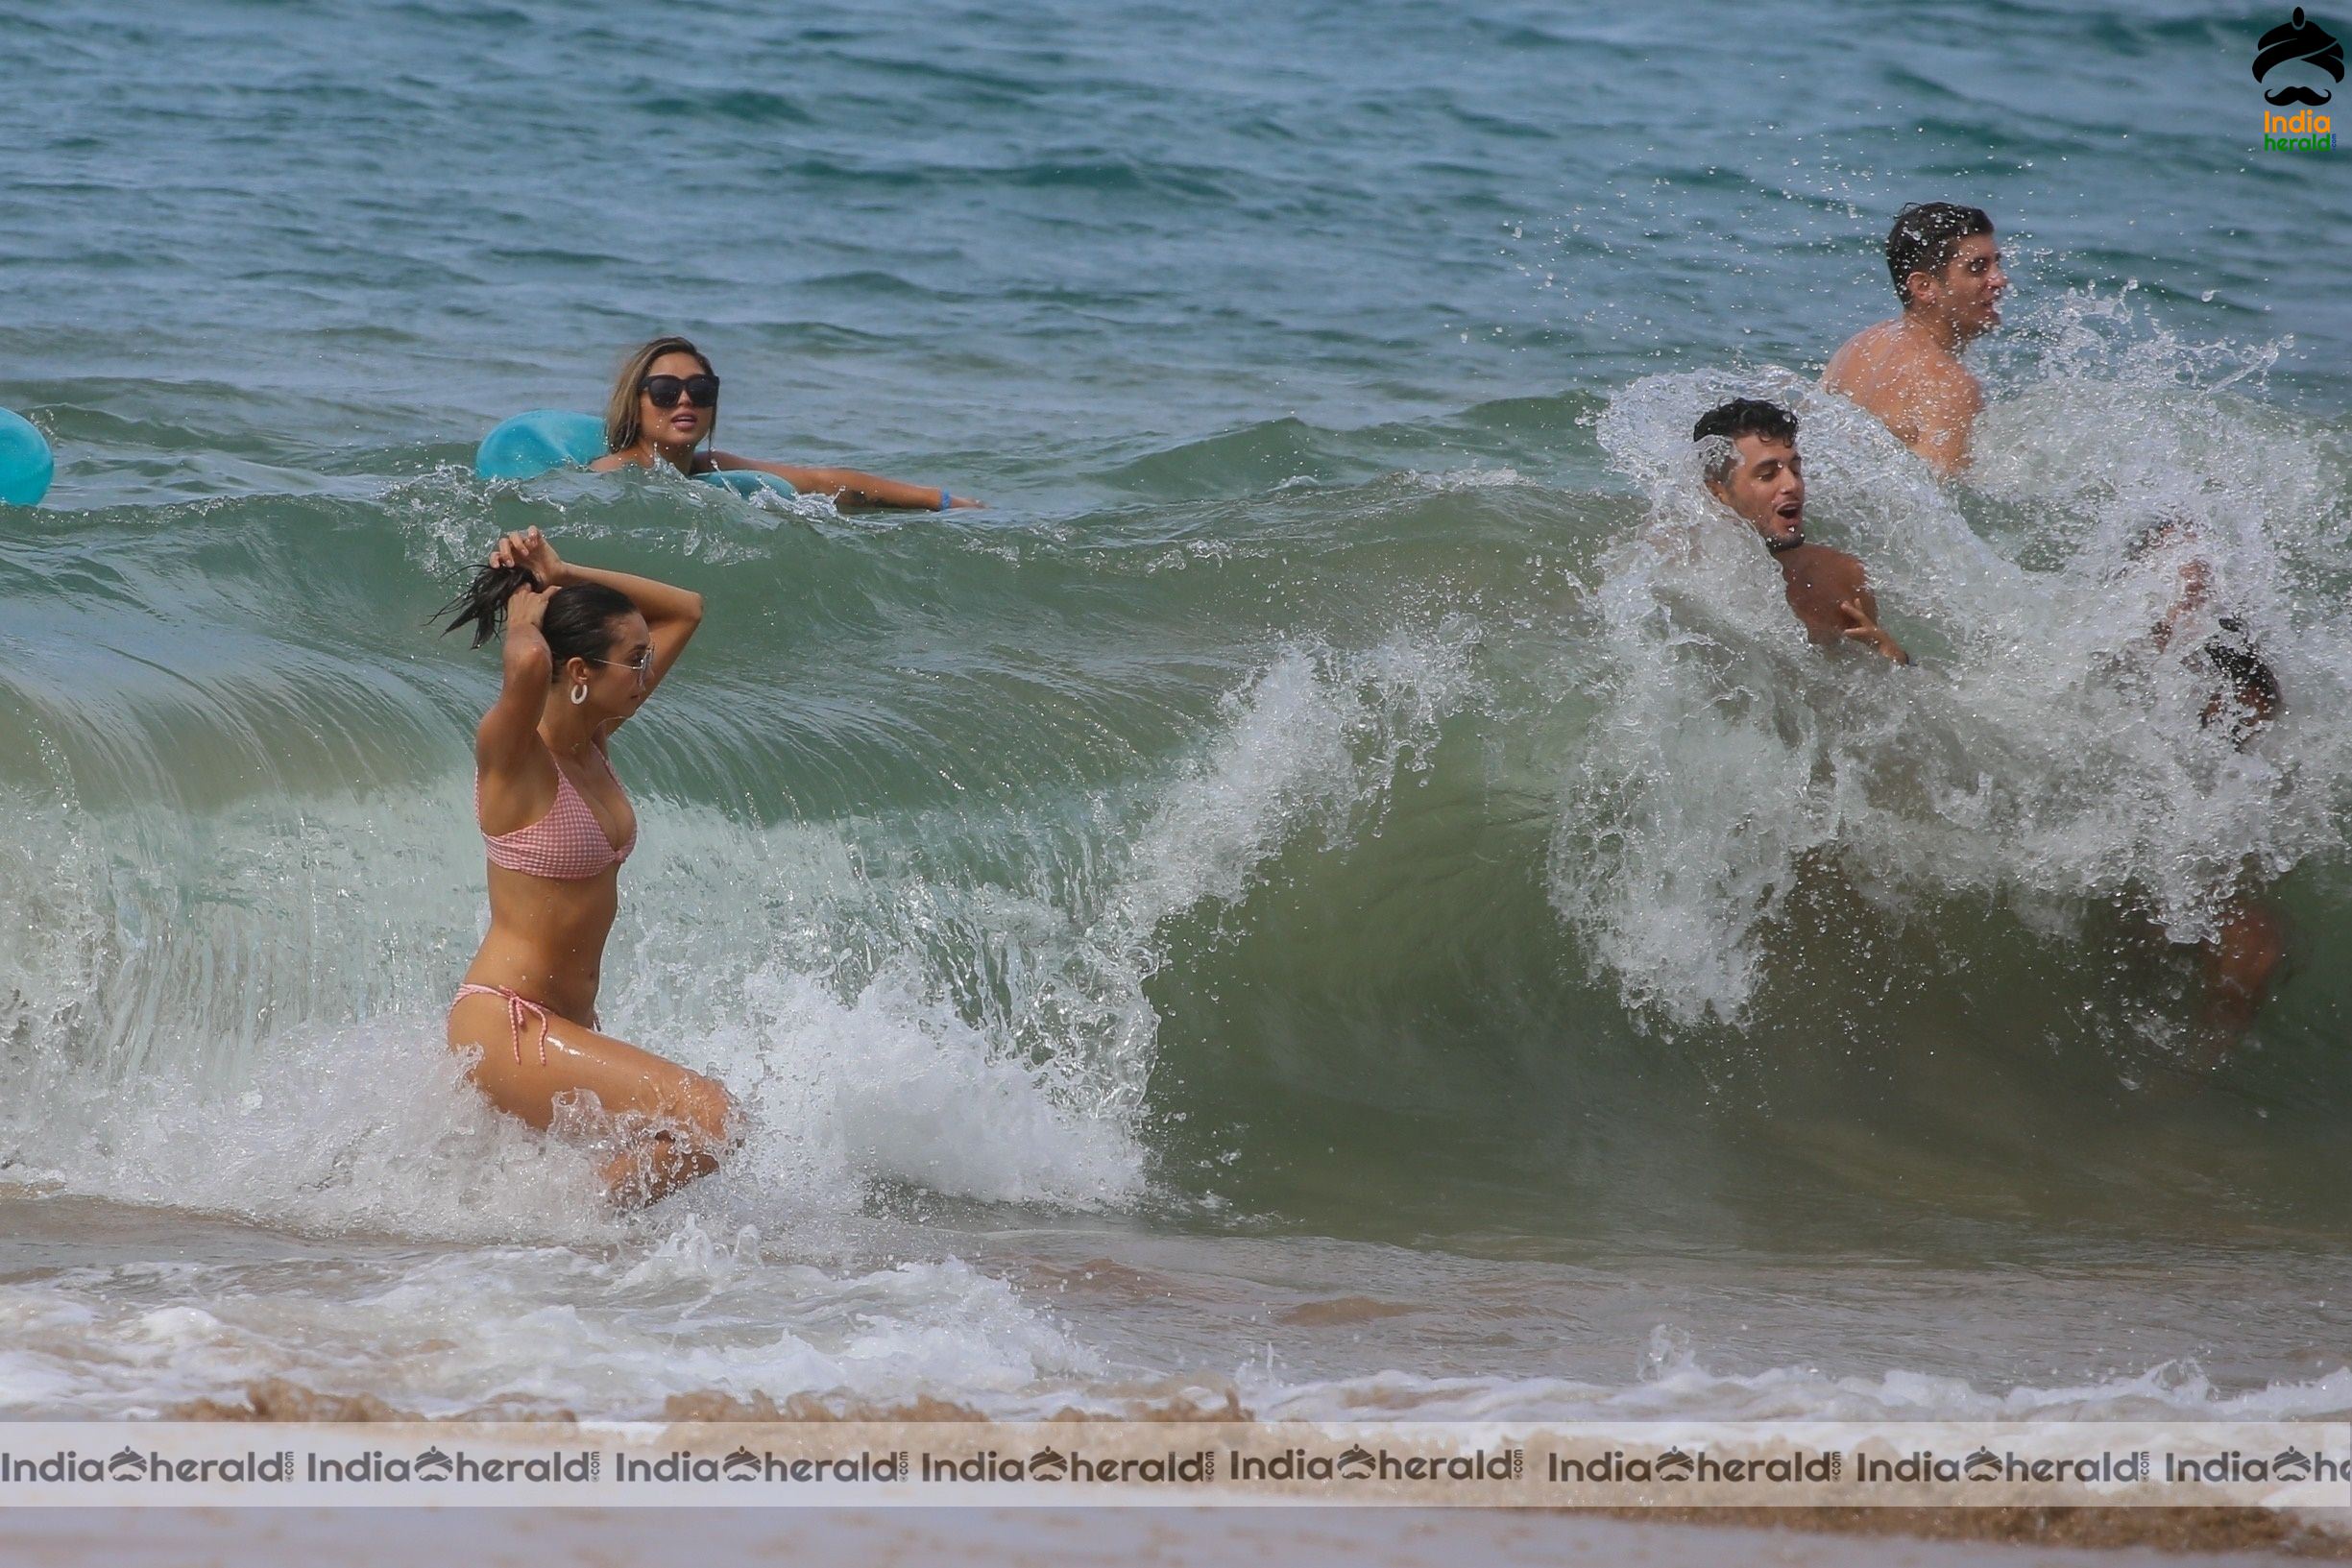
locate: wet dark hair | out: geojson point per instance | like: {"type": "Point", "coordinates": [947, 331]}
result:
{"type": "Point", "coordinates": [2234, 657]}
{"type": "Point", "coordinates": [2232, 652]}
{"type": "Point", "coordinates": [578, 622]}
{"type": "Point", "coordinates": [1742, 417]}
{"type": "Point", "coordinates": [1927, 235]}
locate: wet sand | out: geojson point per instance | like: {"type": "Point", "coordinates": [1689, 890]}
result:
{"type": "Point", "coordinates": [1666, 1536]}
{"type": "Point", "coordinates": [1046, 1538]}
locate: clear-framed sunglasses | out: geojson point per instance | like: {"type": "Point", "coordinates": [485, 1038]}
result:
{"type": "Point", "coordinates": [643, 663]}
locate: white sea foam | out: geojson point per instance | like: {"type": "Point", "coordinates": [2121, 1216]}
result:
{"type": "Point", "coordinates": [1680, 1385]}
{"type": "Point", "coordinates": [884, 1019]}
{"type": "Point", "coordinates": [1504, 478]}
{"type": "Point", "coordinates": [541, 1327]}
{"type": "Point", "coordinates": [2043, 752]}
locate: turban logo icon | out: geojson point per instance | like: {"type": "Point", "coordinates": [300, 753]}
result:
{"type": "Point", "coordinates": [2299, 40]}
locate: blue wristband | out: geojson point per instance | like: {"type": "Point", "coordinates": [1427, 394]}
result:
{"type": "Point", "coordinates": [945, 500]}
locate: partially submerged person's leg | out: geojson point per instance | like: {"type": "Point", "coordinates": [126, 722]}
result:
{"type": "Point", "coordinates": [2240, 959]}
{"type": "Point", "coordinates": [675, 1124]}
{"type": "Point", "coordinates": [2247, 948]}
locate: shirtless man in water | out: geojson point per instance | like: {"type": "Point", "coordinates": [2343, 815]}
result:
{"type": "Point", "coordinates": [1907, 372]}
{"type": "Point", "coordinates": [1757, 472]}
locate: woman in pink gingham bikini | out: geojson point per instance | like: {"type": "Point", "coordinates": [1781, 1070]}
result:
{"type": "Point", "coordinates": [584, 650]}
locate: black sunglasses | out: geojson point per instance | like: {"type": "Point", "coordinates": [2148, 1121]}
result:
{"type": "Point", "coordinates": [702, 390]}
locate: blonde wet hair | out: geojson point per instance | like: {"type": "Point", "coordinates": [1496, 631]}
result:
{"type": "Point", "coordinates": [622, 429]}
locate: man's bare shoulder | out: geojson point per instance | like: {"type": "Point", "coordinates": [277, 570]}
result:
{"type": "Point", "coordinates": [1864, 356]}
{"type": "Point", "coordinates": [1915, 387]}
{"type": "Point", "coordinates": [1885, 358]}
{"type": "Point", "coordinates": [1822, 567]}
{"type": "Point", "coordinates": [1942, 379]}
{"type": "Point", "coordinates": [1817, 581]}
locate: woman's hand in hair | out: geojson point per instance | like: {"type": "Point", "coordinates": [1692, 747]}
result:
{"type": "Point", "coordinates": [530, 550]}
{"type": "Point", "coordinates": [525, 611]}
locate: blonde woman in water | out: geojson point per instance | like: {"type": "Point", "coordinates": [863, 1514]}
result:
{"type": "Point", "coordinates": [665, 407]}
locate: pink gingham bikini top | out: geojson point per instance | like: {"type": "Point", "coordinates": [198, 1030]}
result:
{"type": "Point", "coordinates": [568, 843]}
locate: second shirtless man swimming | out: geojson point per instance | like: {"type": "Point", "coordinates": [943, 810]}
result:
{"type": "Point", "coordinates": [1754, 469]}
{"type": "Point", "coordinates": [1907, 372]}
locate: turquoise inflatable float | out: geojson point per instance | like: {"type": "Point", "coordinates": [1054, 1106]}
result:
{"type": "Point", "coordinates": [530, 444]}
{"type": "Point", "coordinates": [25, 464]}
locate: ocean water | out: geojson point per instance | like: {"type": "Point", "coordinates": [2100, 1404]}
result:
{"type": "Point", "coordinates": [1340, 891]}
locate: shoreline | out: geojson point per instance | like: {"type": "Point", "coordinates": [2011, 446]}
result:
{"type": "Point", "coordinates": [1990, 1532]}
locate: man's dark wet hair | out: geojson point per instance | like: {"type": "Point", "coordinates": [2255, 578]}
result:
{"type": "Point", "coordinates": [1741, 417]}
{"type": "Point", "coordinates": [2233, 653]}
{"type": "Point", "coordinates": [1927, 235]}
{"type": "Point", "coordinates": [2251, 696]}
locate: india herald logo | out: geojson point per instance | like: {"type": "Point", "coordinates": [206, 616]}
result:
{"type": "Point", "coordinates": [2301, 40]}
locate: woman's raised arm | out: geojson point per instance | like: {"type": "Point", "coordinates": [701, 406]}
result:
{"type": "Point", "coordinates": [509, 733]}
{"type": "Point", "coordinates": [850, 487]}
{"type": "Point", "coordinates": [671, 613]}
